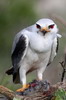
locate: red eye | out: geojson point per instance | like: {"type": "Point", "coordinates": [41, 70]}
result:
{"type": "Point", "coordinates": [38, 26]}
{"type": "Point", "coordinates": [51, 26]}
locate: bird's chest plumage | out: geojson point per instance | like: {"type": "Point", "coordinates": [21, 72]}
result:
{"type": "Point", "coordinates": [36, 59]}
{"type": "Point", "coordinates": [38, 52]}
{"type": "Point", "coordinates": [40, 43]}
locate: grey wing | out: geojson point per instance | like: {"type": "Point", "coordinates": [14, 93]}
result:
{"type": "Point", "coordinates": [54, 50]}
{"type": "Point", "coordinates": [19, 50]}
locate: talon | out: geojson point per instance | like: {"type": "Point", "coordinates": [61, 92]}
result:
{"type": "Point", "coordinates": [20, 90]}
{"type": "Point", "coordinates": [23, 88]}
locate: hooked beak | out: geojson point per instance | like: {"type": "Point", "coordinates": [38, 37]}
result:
{"type": "Point", "coordinates": [44, 30]}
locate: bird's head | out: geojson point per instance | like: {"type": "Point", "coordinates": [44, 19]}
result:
{"type": "Point", "coordinates": [46, 26]}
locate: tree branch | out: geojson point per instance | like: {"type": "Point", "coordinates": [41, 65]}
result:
{"type": "Point", "coordinates": [36, 95]}
{"type": "Point", "coordinates": [63, 64]}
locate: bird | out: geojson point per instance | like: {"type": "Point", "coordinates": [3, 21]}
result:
{"type": "Point", "coordinates": [34, 48]}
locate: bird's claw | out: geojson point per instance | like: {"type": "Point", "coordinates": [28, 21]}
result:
{"type": "Point", "coordinates": [23, 88]}
{"type": "Point", "coordinates": [20, 90]}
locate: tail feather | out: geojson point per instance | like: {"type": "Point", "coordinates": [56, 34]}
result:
{"type": "Point", "coordinates": [10, 71]}
{"type": "Point", "coordinates": [16, 78]}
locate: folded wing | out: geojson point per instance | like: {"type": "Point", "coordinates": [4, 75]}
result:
{"type": "Point", "coordinates": [19, 51]}
{"type": "Point", "coordinates": [54, 50]}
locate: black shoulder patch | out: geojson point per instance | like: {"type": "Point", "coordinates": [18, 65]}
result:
{"type": "Point", "coordinates": [18, 52]}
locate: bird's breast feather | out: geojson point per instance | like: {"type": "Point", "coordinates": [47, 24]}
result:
{"type": "Point", "coordinates": [40, 44]}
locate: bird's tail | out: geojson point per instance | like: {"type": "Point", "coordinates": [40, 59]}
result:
{"type": "Point", "coordinates": [10, 71]}
{"type": "Point", "coordinates": [16, 78]}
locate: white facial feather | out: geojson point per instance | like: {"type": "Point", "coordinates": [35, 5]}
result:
{"type": "Point", "coordinates": [46, 23]}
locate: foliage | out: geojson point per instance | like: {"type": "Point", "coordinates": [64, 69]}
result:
{"type": "Point", "coordinates": [16, 98]}
{"type": "Point", "coordinates": [14, 15]}
{"type": "Point", "coordinates": [60, 94]}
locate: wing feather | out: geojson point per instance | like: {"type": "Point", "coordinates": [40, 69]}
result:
{"type": "Point", "coordinates": [19, 51]}
{"type": "Point", "coordinates": [54, 50]}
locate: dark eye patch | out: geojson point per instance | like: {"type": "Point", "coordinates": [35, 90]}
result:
{"type": "Point", "coordinates": [38, 26]}
{"type": "Point", "coordinates": [51, 26]}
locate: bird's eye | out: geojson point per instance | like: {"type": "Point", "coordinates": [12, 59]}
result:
{"type": "Point", "coordinates": [38, 26]}
{"type": "Point", "coordinates": [51, 26]}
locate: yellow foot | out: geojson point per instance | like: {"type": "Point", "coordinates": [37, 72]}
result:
{"type": "Point", "coordinates": [23, 88]}
{"type": "Point", "coordinates": [20, 90]}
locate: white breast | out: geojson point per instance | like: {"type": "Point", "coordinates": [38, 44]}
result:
{"type": "Point", "coordinates": [34, 59]}
{"type": "Point", "coordinates": [40, 43]}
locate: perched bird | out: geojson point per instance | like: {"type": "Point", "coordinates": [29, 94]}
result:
{"type": "Point", "coordinates": [34, 48]}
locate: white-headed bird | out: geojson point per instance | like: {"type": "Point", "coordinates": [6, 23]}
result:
{"type": "Point", "coordinates": [34, 48]}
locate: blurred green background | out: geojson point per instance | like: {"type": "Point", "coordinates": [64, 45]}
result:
{"type": "Point", "coordinates": [14, 16]}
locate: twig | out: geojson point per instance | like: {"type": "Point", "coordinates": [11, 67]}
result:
{"type": "Point", "coordinates": [63, 64]}
{"type": "Point", "coordinates": [63, 74]}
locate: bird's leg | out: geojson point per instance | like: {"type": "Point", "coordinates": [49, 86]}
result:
{"type": "Point", "coordinates": [23, 80]}
{"type": "Point", "coordinates": [40, 74]}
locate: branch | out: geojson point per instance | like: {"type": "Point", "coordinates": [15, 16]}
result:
{"type": "Point", "coordinates": [7, 92]}
{"type": "Point", "coordinates": [34, 95]}
{"type": "Point", "coordinates": [63, 64]}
